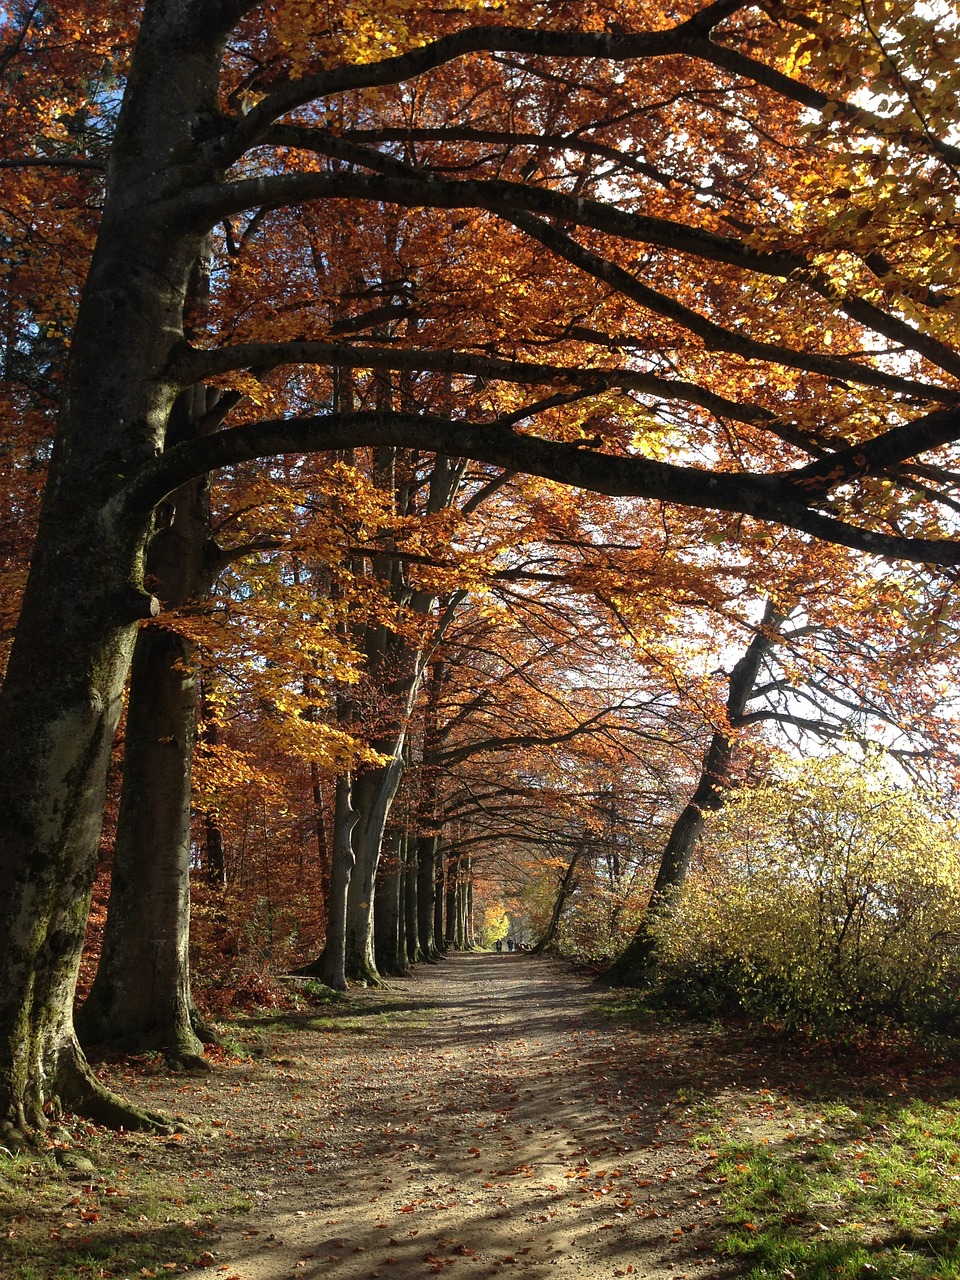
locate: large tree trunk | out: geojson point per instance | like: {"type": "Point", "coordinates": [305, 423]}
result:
{"type": "Point", "coordinates": [331, 965]}
{"type": "Point", "coordinates": [141, 997]}
{"type": "Point", "coordinates": [635, 967]}
{"type": "Point", "coordinates": [62, 693]}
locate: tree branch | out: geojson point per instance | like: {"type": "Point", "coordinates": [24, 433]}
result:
{"type": "Point", "coordinates": [685, 38]}
{"type": "Point", "coordinates": [402, 184]}
{"type": "Point", "coordinates": [54, 162]}
{"type": "Point", "coordinates": [776, 498]}
{"type": "Point", "coordinates": [192, 365]}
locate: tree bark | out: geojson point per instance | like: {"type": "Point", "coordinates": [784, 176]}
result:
{"type": "Point", "coordinates": [450, 900]}
{"type": "Point", "coordinates": [62, 693]}
{"type": "Point", "coordinates": [373, 793]}
{"type": "Point", "coordinates": [390, 940]}
{"type": "Point", "coordinates": [426, 851]}
{"type": "Point", "coordinates": [332, 964]}
{"type": "Point", "coordinates": [141, 996]}
{"type": "Point", "coordinates": [411, 921]}
{"type": "Point", "coordinates": [439, 897]}
{"type": "Point", "coordinates": [320, 830]}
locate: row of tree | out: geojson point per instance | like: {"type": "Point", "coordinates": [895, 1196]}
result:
{"type": "Point", "coordinates": [362, 334]}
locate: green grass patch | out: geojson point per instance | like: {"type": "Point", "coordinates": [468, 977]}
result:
{"type": "Point", "coordinates": [114, 1222]}
{"type": "Point", "coordinates": [851, 1191]}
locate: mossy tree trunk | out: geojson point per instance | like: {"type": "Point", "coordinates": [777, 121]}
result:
{"type": "Point", "coordinates": [63, 688]}
{"type": "Point", "coordinates": [141, 996]}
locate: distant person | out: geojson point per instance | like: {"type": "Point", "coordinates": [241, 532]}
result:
{"type": "Point", "coordinates": [499, 944]}
{"type": "Point", "coordinates": [510, 944]}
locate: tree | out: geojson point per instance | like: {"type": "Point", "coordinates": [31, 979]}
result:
{"type": "Point", "coordinates": [633, 965]}
{"type": "Point", "coordinates": [219, 118]}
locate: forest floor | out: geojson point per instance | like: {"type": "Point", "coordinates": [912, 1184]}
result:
{"type": "Point", "coordinates": [484, 1117]}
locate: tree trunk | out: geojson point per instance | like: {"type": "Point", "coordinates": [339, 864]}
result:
{"type": "Point", "coordinates": [390, 943]}
{"type": "Point", "coordinates": [214, 854]}
{"type": "Point", "coordinates": [320, 830]}
{"type": "Point", "coordinates": [373, 793]}
{"type": "Point", "coordinates": [450, 899]}
{"type": "Point", "coordinates": [330, 965]}
{"type": "Point", "coordinates": [426, 848]}
{"type": "Point", "coordinates": [635, 967]}
{"type": "Point", "coordinates": [62, 693]}
{"type": "Point", "coordinates": [412, 941]}
{"type": "Point", "coordinates": [468, 912]}
{"type": "Point", "coordinates": [563, 892]}
{"type": "Point", "coordinates": [439, 893]}
{"type": "Point", "coordinates": [141, 997]}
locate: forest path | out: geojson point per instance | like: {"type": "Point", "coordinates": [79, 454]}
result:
{"type": "Point", "coordinates": [479, 1118]}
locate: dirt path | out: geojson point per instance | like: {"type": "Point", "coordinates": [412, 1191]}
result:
{"type": "Point", "coordinates": [480, 1117]}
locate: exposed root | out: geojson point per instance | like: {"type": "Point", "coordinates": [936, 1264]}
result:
{"type": "Point", "coordinates": [203, 1030]}
{"type": "Point", "coordinates": [368, 977]}
{"type": "Point", "coordinates": [192, 1063]}
{"type": "Point", "coordinates": [80, 1091]}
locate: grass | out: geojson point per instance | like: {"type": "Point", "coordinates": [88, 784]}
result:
{"type": "Point", "coordinates": [853, 1190]}
{"type": "Point", "coordinates": [844, 1165]}
{"type": "Point", "coordinates": [116, 1222]}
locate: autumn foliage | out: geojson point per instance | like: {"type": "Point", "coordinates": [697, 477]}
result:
{"type": "Point", "coordinates": [460, 392]}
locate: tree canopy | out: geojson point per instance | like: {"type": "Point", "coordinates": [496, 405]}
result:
{"type": "Point", "coordinates": [365, 293]}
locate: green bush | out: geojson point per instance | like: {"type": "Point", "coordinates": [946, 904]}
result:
{"type": "Point", "coordinates": [829, 897]}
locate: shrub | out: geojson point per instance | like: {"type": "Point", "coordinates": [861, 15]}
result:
{"type": "Point", "coordinates": [828, 897]}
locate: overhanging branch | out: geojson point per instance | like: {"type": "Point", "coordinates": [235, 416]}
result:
{"type": "Point", "coordinates": [775, 498]}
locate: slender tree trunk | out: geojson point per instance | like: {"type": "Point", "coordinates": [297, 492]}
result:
{"type": "Point", "coordinates": [426, 849]}
{"type": "Point", "coordinates": [470, 932]}
{"type": "Point", "coordinates": [320, 830]}
{"type": "Point", "coordinates": [635, 967]}
{"type": "Point", "coordinates": [439, 893]}
{"type": "Point", "coordinates": [412, 941]}
{"type": "Point", "coordinates": [450, 899]}
{"type": "Point", "coordinates": [214, 854]}
{"type": "Point", "coordinates": [388, 905]}
{"type": "Point", "coordinates": [564, 890]}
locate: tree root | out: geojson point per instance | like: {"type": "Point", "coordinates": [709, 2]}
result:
{"type": "Point", "coordinates": [203, 1030]}
{"type": "Point", "coordinates": [191, 1063]}
{"type": "Point", "coordinates": [80, 1091]}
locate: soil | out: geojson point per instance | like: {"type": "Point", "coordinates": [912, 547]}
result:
{"type": "Point", "coordinates": [480, 1118]}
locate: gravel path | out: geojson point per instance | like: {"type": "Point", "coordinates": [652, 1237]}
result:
{"type": "Point", "coordinates": [479, 1118]}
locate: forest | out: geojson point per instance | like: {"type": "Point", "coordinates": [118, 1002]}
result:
{"type": "Point", "coordinates": [474, 474]}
